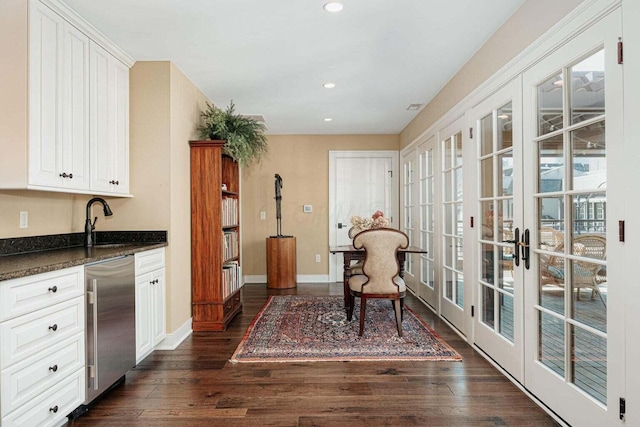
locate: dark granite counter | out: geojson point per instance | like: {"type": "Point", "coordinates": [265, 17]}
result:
{"type": "Point", "coordinates": [20, 257]}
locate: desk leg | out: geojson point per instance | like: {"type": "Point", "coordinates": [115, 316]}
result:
{"type": "Point", "coordinates": [401, 263]}
{"type": "Point", "coordinates": [346, 275]}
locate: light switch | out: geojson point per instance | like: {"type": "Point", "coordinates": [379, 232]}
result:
{"type": "Point", "coordinates": [307, 208]}
{"type": "Point", "coordinates": [24, 219]}
{"type": "Point", "coordinates": [263, 215]}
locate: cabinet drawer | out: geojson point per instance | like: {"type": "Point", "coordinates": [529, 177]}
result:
{"type": "Point", "coordinates": [24, 336]}
{"type": "Point", "coordinates": [27, 379]}
{"type": "Point", "coordinates": [149, 260]}
{"type": "Point", "coordinates": [231, 304]}
{"type": "Point", "coordinates": [51, 407]}
{"type": "Point", "coordinates": [27, 294]}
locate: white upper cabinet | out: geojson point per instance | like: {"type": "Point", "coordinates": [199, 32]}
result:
{"type": "Point", "coordinates": [70, 86]}
{"type": "Point", "coordinates": [59, 102]}
{"type": "Point", "coordinates": [109, 122]}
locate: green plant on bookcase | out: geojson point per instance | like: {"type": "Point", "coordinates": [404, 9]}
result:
{"type": "Point", "coordinates": [245, 137]}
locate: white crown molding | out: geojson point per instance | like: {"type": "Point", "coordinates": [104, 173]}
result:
{"type": "Point", "coordinates": [574, 23]}
{"type": "Point", "coordinates": [92, 32]}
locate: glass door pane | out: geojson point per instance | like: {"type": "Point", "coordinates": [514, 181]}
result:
{"type": "Point", "coordinates": [453, 219]}
{"type": "Point", "coordinates": [427, 222]}
{"type": "Point", "coordinates": [572, 185]}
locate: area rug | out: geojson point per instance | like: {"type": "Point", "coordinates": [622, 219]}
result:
{"type": "Point", "coordinates": [295, 328]}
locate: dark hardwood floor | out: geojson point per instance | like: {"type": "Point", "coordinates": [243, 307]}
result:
{"type": "Point", "coordinates": [195, 385]}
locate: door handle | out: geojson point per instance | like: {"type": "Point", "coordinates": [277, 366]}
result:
{"type": "Point", "coordinates": [516, 249]}
{"type": "Point", "coordinates": [340, 225]}
{"type": "Point", "coordinates": [524, 244]}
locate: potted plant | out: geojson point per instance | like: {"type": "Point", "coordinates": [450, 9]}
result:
{"type": "Point", "coordinates": [245, 137]}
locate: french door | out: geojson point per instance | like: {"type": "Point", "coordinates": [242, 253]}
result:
{"type": "Point", "coordinates": [419, 220]}
{"type": "Point", "coordinates": [409, 222]}
{"type": "Point", "coordinates": [572, 103]}
{"type": "Point", "coordinates": [455, 295]}
{"type": "Point", "coordinates": [427, 167]}
{"type": "Point", "coordinates": [499, 286]}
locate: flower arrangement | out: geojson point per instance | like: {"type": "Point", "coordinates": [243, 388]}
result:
{"type": "Point", "coordinates": [377, 220]}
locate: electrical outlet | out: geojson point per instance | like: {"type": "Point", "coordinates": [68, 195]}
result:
{"type": "Point", "coordinates": [317, 257]}
{"type": "Point", "coordinates": [263, 215]}
{"type": "Point", "coordinates": [24, 219]}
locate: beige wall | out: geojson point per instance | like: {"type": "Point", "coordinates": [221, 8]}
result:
{"type": "Point", "coordinates": [13, 94]}
{"type": "Point", "coordinates": [164, 113]}
{"type": "Point", "coordinates": [186, 104]}
{"type": "Point", "coordinates": [303, 163]}
{"type": "Point", "coordinates": [529, 22]}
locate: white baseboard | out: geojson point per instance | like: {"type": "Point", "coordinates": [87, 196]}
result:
{"type": "Point", "coordinates": [301, 278]}
{"type": "Point", "coordinates": [172, 341]}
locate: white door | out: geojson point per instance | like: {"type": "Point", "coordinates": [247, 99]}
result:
{"type": "Point", "coordinates": [427, 172]}
{"type": "Point", "coordinates": [409, 199]}
{"type": "Point", "coordinates": [419, 219]}
{"type": "Point", "coordinates": [499, 286]}
{"type": "Point", "coordinates": [360, 183]}
{"type": "Point", "coordinates": [574, 318]}
{"type": "Point", "coordinates": [455, 296]}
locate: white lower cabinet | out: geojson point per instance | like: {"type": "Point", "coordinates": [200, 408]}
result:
{"type": "Point", "coordinates": [42, 366]}
{"type": "Point", "coordinates": [150, 301]}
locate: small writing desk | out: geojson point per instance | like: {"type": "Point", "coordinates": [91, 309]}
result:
{"type": "Point", "coordinates": [352, 254]}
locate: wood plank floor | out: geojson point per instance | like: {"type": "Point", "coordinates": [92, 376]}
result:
{"type": "Point", "coordinates": [195, 385]}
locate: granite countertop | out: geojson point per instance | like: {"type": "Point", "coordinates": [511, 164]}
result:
{"type": "Point", "coordinates": [42, 255]}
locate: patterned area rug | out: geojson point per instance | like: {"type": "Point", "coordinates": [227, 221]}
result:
{"type": "Point", "coordinates": [296, 328]}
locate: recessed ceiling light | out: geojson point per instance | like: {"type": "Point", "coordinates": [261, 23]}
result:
{"type": "Point", "coordinates": [328, 119]}
{"type": "Point", "coordinates": [329, 85]}
{"type": "Point", "coordinates": [414, 106]}
{"type": "Point", "coordinates": [333, 6]}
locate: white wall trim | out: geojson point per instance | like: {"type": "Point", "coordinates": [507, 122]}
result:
{"type": "Point", "coordinates": [172, 341]}
{"type": "Point", "coordinates": [92, 32]}
{"type": "Point", "coordinates": [300, 278]}
{"type": "Point", "coordinates": [578, 20]}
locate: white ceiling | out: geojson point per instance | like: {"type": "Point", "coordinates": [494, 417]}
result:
{"type": "Point", "coordinates": [271, 57]}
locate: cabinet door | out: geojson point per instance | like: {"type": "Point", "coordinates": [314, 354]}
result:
{"type": "Point", "coordinates": [59, 102]}
{"type": "Point", "coordinates": [157, 298]}
{"type": "Point", "coordinates": [109, 124]}
{"type": "Point", "coordinates": [143, 314]}
{"type": "Point", "coordinates": [45, 103]}
{"type": "Point", "coordinates": [75, 110]}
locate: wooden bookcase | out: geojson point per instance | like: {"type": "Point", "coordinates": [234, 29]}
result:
{"type": "Point", "coordinates": [215, 236]}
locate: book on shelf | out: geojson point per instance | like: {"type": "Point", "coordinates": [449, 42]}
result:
{"type": "Point", "coordinates": [230, 278]}
{"type": "Point", "coordinates": [230, 245]}
{"type": "Point", "coordinates": [229, 211]}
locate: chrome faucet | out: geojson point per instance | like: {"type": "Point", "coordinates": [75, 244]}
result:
{"type": "Point", "coordinates": [88, 226]}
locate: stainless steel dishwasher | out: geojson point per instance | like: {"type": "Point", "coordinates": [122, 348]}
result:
{"type": "Point", "coordinates": [111, 323]}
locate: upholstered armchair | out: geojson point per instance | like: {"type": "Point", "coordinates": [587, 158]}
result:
{"type": "Point", "coordinates": [380, 276]}
{"type": "Point", "coordinates": [584, 274]}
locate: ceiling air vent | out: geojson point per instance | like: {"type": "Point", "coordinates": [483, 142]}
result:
{"type": "Point", "coordinates": [414, 106]}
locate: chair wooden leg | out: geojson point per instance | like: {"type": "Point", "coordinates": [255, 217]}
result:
{"type": "Point", "coordinates": [363, 307]}
{"type": "Point", "coordinates": [397, 305]}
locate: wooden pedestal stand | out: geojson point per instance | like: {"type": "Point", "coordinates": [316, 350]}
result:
{"type": "Point", "coordinates": [281, 262]}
